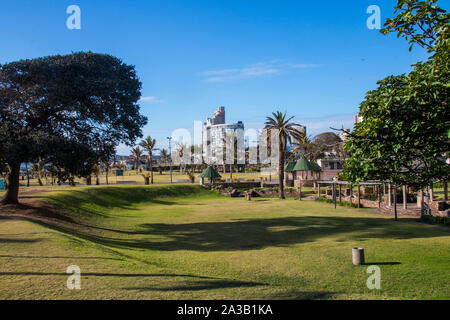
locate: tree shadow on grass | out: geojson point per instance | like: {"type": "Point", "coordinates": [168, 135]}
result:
{"type": "Point", "coordinates": [227, 284]}
{"type": "Point", "coordinates": [127, 198]}
{"type": "Point", "coordinates": [57, 257]}
{"type": "Point", "coordinates": [257, 233]}
{"type": "Point", "coordinates": [99, 274]}
{"type": "Point", "coordinates": [35, 209]}
{"type": "Point", "coordinates": [202, 285]}
{"type": "Point", "coordinates": [100, 201]}
{"type": "Point", "coordinates": [12, 240]}
{"type": "Point", "coordinates": [381, 263]}
{"type": "Point", "coordinates": [303, 295]}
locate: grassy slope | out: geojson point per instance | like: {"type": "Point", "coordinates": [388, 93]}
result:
{"type": "Point", "coordinates": [184, 242]}
{"type": "Point", "coordinates": [131, 176]}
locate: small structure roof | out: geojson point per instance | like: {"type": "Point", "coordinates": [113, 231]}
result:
{"type": "Point", "coordinates": [304, 165]}
{"type": "Point", "coordinates": [289, 167]}
{"type": "Point", "coordinates": [210, 173]}
{"type": "Point", "coordinates": [316, 166]}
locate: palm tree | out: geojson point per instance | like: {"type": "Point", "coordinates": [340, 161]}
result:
{"type": "Point", "coordinates": [180, 149]}
{"type": "Point", "coordinates": [107, 158]}
{"type": "Point", "coordinates": [37, 169]}
{"type": "Point", "coordinates": [165, 157]}
{"type": "Point", "coordinates": [286, 131]}
{"type": "Point", "coordinates": [136, 154]}
{"type": "Point", "coordinates": [149, 145]}
{"type": "Point", "coordinates": [121, 166]}
{"type": "Point", "coordinates": [308, 148]}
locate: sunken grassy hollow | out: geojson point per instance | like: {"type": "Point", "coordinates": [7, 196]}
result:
{"type": "Point", "coordinates": [185, 242]}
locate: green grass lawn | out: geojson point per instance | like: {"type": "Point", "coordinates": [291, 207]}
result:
{"type": "Point", "coordinates": [132, 176]}
{"type": "Point", "coordinates": [184, 242]}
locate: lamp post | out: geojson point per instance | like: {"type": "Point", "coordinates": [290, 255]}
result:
{"type": "Point", "coordinates": [170, 157]}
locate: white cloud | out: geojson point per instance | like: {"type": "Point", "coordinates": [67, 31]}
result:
{"type": "Point", "coordinates": [256, 70]}
{"type": "Point", "coordinates": [151, 99]}
{"type": "Point", "coordinates": [304, 66]}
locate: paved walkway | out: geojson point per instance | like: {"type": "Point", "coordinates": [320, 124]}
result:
{"type": "Point", "coordinates": [412, 210]}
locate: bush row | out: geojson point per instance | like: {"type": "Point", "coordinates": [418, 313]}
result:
{"type": "Point", "coordinates": [436, 220]}
{"type": "Point", "coordinates": [340, 203]}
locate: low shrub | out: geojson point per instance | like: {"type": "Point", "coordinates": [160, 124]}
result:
{"type": "Point", "coordinates": [340, 203]}
{"type": "Point", "coordinates": [219, 187]}
{"type": "Point", "coordinates": [435, 220]}
{"type": "Point", "coordinates": [191, 176]}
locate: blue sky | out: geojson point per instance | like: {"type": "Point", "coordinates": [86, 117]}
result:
{"type": "Point", "coordinates": [313, 59]}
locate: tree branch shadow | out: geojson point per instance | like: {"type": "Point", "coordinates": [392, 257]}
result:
{"type": "Point", "coordinates": [252, 234]}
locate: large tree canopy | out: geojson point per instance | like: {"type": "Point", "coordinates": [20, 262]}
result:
{"type": "Point", "coordinates": [420, 22]}
{"type": "Point", "coordinates": [67, 110]}
{"type": "Point", "coordinates": [404, 133]}
{"type": "Point", "coordinates": [403, 136]}
{"type": "Point", "coordinates": [322, 145]}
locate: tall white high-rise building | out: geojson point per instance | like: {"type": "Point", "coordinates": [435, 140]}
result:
{"type": "Point", "coordinates": [215, 131]}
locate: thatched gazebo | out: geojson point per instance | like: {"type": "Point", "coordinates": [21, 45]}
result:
{"type": "Point", "coordinates": [317, 169]}
{"type": "Point", "coordinates": [211, 174]}
{"type": "Point", "coordinates": [303, 165]}
{"type": "Point", "coordinates": [288, 168]}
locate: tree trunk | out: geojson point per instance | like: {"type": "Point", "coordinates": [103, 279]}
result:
{"type": "Point", "coordinates": [405, 198]}
{"type": "Point", "coordinates": [151, 170]}
{"type": "Point", "coordinates": [281, 167]}
{"type": "Point", "coordinates": [12, 193]}
{"type": "Point", "coordinates": [28, 175]}
{"type": "Point", "coordinates": [421, 202]}
{"type": "Point", "coordinates": [395, 203]}
{"type": "Point", "coordinates": [335, 195]}
{"type": "Point", "coordinates": [445, 191]}
{"type": "Point", "coordinates": [390, 195]}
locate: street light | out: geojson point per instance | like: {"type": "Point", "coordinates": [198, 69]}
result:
{"type": "Point", "coordinates": [170, 157]}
